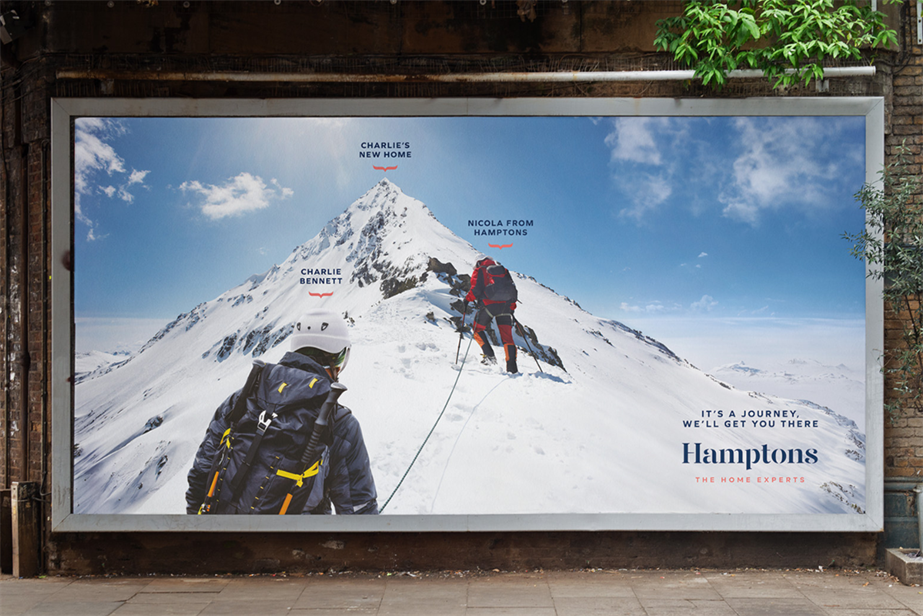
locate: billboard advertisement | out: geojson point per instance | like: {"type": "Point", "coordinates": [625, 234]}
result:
{"type": "Point", "coordinates": [541, 314]}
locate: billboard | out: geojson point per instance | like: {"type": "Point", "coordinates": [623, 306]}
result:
{"type": "Point", "coordinates": [690, 344]}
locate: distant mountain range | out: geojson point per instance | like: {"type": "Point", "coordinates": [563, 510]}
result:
{"type": "Point", "coordinates": [839, 387]}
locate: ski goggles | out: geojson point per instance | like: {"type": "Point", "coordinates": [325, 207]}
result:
{"type": "Point", "coordinates": [328, 360]}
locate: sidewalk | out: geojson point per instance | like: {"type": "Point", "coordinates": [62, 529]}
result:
{"type": "Point", "coordinates": [540, 593]}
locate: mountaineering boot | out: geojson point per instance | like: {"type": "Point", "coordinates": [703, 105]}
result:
{"type": "Point", "coordinates": [510, 358]}
{"type": "Point", "coordinates": [487, 350]}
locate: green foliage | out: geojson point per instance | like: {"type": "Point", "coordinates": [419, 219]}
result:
{"type": "Point", "coordinates": [892, 246]}
{"type": "Point", "coordinates": [788, 40]}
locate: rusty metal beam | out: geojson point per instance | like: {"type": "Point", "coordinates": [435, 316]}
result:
{"type": "Point", "coordinates": [536, 77]}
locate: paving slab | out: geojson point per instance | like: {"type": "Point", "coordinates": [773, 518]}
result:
{"type": "Point", "coordinates": [44, 586]}
{"type": "Point", "coordinates": [828, 579]}
{"type": "Point", "coordinates": [95, 591]}
{"type": "Point", "coordinates": [336, 612]}
{"type": "Point", "coordinates": [77, 608]}
{"type": "Point", "coordinates": [405, 597]}
{"type": "Point", "coordinates": [843, 598]}
{"type": "Point", "coordinates": [781, 606]}
{"type": "Point", "coordinates": [598, 606]}
{"type": "Point", "coordinates": [440, 608]}
{"type": "Point", "coordinates": [509, 611]}
{"type": "Point", "coordinates": [910, 597]}
{"type": "Point", "coordinates": [281, 589]}
{"type": "Point", "coordinates": [160, 609]}
{"type": "Point", "coordinates": [576, 584]}
{"type": "Point", "coordinates": [351, 594]}
{"type": "Point", "coordinates": [871, 612]}
{"type": "Point", "coordinates": [17, 596]}
{"type": "Point", "coordinates": [656, 585]}
{"type": "Point", "coordinates": [188, 584]}
{"type": "Point", "coordinates": [686, 607]}
{"type": "Point", "coordinates": [509, 592]}
{"type": "Point", "coordinates": [424, 588]}
{"type": "Point", "coordinates": [174, 598]}
{"type": "Point", "coordinates": [267, 607]}
{"type": "Point", "coordinates": [752, 585]}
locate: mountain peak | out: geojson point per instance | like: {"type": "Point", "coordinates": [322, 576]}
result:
{"type": "Point", "coordinates": [378, 196]}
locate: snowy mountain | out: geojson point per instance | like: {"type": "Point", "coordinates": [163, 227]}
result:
{"type": "Point", "coordinates": [93, 363]}
{"type": "Point", "coordinates": [613, 421]}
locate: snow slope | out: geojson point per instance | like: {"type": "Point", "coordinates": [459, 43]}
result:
{"type": "Point", "coordinates": [599, 429]}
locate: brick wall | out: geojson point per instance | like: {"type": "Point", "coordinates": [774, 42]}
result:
{"type": "Point", "coordinates": [131, 38]}
{"type": "Point", "coordinates": [903, 439]}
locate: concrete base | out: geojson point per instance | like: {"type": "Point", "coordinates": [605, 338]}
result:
{"type": "Point", "coordinates": [905, 564]}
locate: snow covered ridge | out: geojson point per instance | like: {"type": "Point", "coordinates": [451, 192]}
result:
{"type": "Point", "coordinates": [95, 363]}
{"type": "Point", "coordinates": [595, 423]}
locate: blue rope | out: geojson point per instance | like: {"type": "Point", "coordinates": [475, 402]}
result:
{"type": "Point", "coordinates": [433, 429]}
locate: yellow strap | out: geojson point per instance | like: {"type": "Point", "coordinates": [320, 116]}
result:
{"type": "Point", "coordinates": [282, 386]}
{"type": "Point", "coordinates": [311, 384]}
{"type": "Point", "coordinates": [225, 439]}
{"type": "Point", "coordinates": [300, 478]}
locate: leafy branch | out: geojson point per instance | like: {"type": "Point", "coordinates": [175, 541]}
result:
{"type": "Point", "coordinates": [892, 246]}
{"type": "Point", "coordinates": [788, 40]}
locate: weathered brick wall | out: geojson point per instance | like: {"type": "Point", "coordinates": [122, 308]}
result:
{"type": "Point", "coordinates": [25, 222]}
{"type": "Point", "coordinates": [7, 245]}
{"type": "Point", "coordinates": [903, 435]}
{"type": "Point", "coordinates": [129, 40]}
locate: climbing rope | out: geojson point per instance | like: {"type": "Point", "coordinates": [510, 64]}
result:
{"type": "Point", "coordinates": [433, 429]}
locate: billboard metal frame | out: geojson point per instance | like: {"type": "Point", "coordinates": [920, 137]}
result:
{"type": "Point", "coordinates": [65, 110]}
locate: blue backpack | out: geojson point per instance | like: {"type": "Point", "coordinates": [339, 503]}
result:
{"type": "Point", "coordinates": [498, 284]}
{"type": "Point", "coordinates": [271, 459]}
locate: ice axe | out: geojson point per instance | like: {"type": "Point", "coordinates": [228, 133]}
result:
{"type": "Point", "coordinates": [522, 332]}
{"type": "Point", "coordinates": [323, 419]}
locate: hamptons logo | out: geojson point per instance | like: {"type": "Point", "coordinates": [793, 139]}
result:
{"type": "Point", "coordinates": [695, 453]}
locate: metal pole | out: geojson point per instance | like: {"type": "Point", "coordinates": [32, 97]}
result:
{"type": "Point", "coordinates": [539, 77]}
{"type": "Point", "coordinates": [461, 331]}
{"type": "Point", "coordinates": [522, 332]}
{"type": "Point", "coordinates": [919, 491]}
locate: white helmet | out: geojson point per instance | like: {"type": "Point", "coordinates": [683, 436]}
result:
{"type": "Point", "coordinates": [323, 335]}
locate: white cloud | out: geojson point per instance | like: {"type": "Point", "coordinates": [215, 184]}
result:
{"type": "Point", "coordinates": [137, 177]}
{"type": "Point", "coordinates": [633, 140]}
{"type": "Point", "coordinates": [91, 152]}
{"type": "Point", "coordinates": [125, 196]}
{"type": "Point", "coordinates": [286, 192]}
{"type": "Point", "coordinates": [648, 192]}
{"type": "Point", "coordinates": [704, 305]}
{"type": "Point", "coordinates": [779, 166]}
{"type": "Point", "coordinates": [643, 168]}
{"type": "Point", "coordinates": [743, 212]}
{"type": "Point", "coordinates": [702, 255]}
{"type": "Point", "coordinates": [94, 155]}
{"type": "Point", "coordinates": [651, 308]}
{"type": "Point", "coordinates": [239, 195]}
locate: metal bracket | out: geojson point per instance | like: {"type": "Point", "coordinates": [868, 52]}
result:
{"type": "Point", "coordinates": [919, 22]}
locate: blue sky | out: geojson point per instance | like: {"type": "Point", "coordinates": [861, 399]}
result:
{"type": "Point", "coordinates": [636, 219]}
